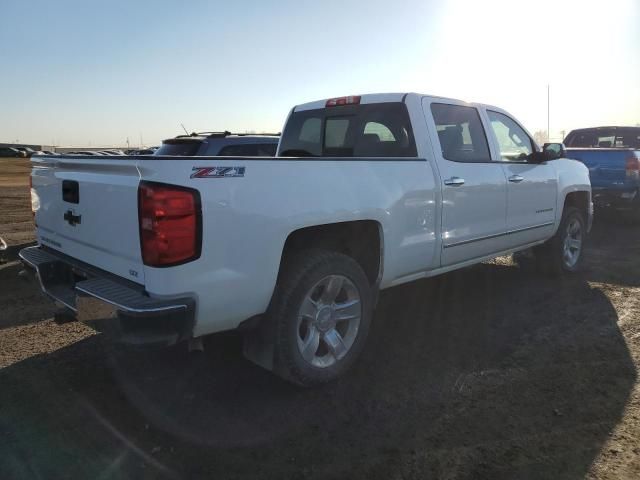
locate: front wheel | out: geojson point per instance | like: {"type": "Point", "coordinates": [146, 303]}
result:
{"type": "Point", "coordinates": [322, 312]}
{"type": "Point", "coordinates": [565, 250]}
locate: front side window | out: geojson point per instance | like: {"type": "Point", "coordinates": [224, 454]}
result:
{"type": "Point", "coordinates": [460, 132]}
{"type": "Point", "coordinates": [514, 143]}
{"type": "Point", "coordinates": [368, 130]}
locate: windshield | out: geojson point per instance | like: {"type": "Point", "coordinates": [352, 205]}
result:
{"type": "Point", "coordinates": [604, 138]}
{"type": "Point", "coordinates": [373, 130]}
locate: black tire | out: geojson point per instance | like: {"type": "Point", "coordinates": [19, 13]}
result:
{"type": "Point", "coordinates": [300, 273]}
{"type": "Point", "coordinates": [550, 255]}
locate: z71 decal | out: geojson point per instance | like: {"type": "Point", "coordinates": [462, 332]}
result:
{"type": "Point", "coordinates": [217, 172]}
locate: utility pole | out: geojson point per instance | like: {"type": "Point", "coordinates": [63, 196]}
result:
{"type": "Point", "coordinates": [548, 116]}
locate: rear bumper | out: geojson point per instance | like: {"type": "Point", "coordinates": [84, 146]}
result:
{"type": "Point", "coordinates": [92, 294]}
{"type": "Point", "coordinates": [621, 199]}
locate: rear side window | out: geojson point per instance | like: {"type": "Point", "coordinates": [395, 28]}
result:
{"type": "Point", "coordinates": [184, 148]}
{"type": "Point", "coordinates": [249, 150]}
{"type": "Point", "coordinates": [371, 130]}
{"type": "Point", "coordinates": [460, 132]}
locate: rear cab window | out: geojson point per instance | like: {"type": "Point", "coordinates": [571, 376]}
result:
{"type": "Point", "coordinates": [613, 137]}
{"type": "Point", "coordinates": [364, 130]}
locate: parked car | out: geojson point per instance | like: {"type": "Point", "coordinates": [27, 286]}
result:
{"type": "Point", "coordinates": [90, 153]}
{"type": "Point", "coordinates": [141, 151]}
{"type": "Point", "coordinates": [11, 152]}
{"type": "Point", "coordinates": [367, 192]}
{"type": "Point", "coordinates": [113, 152]}
{"type": "Point", "coordinates": [224, 144]}
{"type": "Point", "coordinates": [26, 150]}
{"type": "Point", "coordinates": [612, 155]}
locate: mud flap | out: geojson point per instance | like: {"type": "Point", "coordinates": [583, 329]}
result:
{"type": "Point", "coordinates": [258, 343]}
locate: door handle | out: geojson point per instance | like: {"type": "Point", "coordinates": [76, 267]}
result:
{"type": "Point", "coordinates": [454, 181]}
{"type": "Point", "coordinates": [516, 178]}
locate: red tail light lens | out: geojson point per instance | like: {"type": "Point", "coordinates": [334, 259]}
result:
{"type": "Point", "coordinates": [336, 102]}
{"type": "Point", "coordinates": [170, 224]}
{"type": "Point", "coordinates": [632, 167]}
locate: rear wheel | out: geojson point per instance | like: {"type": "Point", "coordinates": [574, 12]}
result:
{"type": "Point", "coordinates": [564, 251]}
{"type": "Point", "coordinates": [322, 312]}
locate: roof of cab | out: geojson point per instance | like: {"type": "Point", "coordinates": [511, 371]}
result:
{"type": "Point", "coordinates": [364, 99]}
{"type": "Point", "coordinates": [377, 98]}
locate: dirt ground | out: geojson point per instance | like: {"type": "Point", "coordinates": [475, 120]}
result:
{"type": "Point", "coordinates": [491, 372]}
{"type": "Point", "coordinates": [16, 224]}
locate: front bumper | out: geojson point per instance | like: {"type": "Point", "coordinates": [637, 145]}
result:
{"type": "Point", "coordinates": [92, 294]}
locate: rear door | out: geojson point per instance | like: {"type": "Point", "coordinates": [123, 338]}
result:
{"type": "Point", "coordinates": [531, 187]}
{"type": "Point", "coordinates": [87, 208]}
{"type": "Point", "coordinates": [474, 187]}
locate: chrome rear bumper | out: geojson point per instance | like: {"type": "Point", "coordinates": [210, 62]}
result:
{"type": "Point", "coordinates": [95, 295]}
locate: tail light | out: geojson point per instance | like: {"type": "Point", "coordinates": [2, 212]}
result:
{"type": "Point", "coordinates": [170, 221]}
{"type": "Point", "coordinates": [35, 199]}
{"type": "Point", "coordinates": [632, 167]}
{"type": "Point", "coordinates": [336, 102]}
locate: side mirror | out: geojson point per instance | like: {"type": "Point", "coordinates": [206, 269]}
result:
{"type": "Point", "coordinates": [554, 151]}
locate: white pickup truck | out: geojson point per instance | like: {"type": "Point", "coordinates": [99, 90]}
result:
{"type": "Point", "coordinates": [367, 192]}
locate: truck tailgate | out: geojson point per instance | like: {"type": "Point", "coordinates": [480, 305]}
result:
{"type": "Point", "coordinates": [606, 166]}
{"type": "Point", "coordinates": [87, 208]}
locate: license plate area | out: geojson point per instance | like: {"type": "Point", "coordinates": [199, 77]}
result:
{"type": "Point", "coordinates": [90, 308]}
{"type": "Point", "coordinates": [59, 281]}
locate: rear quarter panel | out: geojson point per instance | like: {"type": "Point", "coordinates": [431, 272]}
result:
{"type": "Point", "coordinates": [246, 221]}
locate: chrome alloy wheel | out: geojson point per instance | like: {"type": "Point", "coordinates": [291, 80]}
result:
{"type": "Point", "coordinates": [572, 244]}
{"type": "Point", "coordinates": [328, 321]}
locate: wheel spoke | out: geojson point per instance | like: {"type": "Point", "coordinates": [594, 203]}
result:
{"type": "Point", "coordinates": [331, 290]}
{"type": "Point", "coordinates": [310, 346]}
{"type": "Point", "coordinates": [348, 310]}
{"type": "Point", "coordinates": [574, 228]}
{"type": "Point", "coordinates": [335, 343]}
{"type": "Point", "coordinates": [574, 243]}
{"type": "Point", "coordinates": [309, 308]}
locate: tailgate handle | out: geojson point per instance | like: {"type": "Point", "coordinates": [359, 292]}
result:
{"type": "Point", "coordinates": [70, 191]}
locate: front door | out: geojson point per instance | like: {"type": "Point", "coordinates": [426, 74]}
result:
{"type": "Point", "coordinates": [474, 187]}
{"type": "Point", "coordinates": [531, 187]}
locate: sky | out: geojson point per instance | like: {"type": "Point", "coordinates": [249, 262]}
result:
{"type": "Point", "coordinates": [96, 73]}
